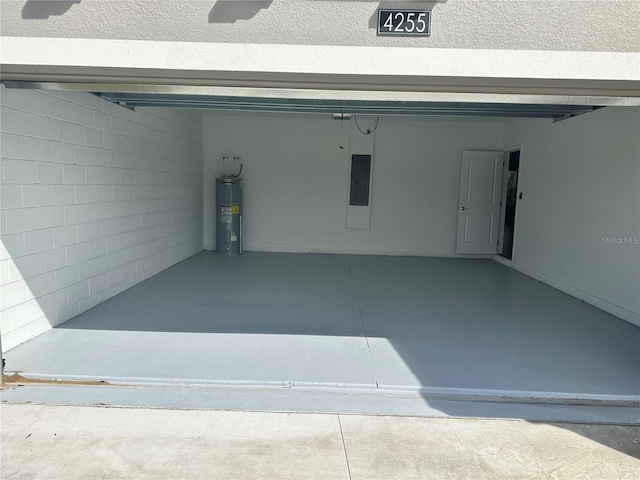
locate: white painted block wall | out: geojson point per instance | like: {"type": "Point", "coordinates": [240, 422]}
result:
{"type": "Point", "coordinates": [94, 199]}
{"type": "Point", "coordinates": [296, 181]}
{"type": "Point", "coordinates": [580, 180]}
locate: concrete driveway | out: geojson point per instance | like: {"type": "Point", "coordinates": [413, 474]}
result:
{"type": "Point", "coordinates": [54, 442]}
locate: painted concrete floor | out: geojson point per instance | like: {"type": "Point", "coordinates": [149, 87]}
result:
{"type": "Point", "coordinates": [48, 442]}
{"type": "Point", "coordinates": [337, 321]}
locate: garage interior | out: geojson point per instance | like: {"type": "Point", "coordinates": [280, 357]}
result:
{"type": "Point", "coordinates": [376, 306]}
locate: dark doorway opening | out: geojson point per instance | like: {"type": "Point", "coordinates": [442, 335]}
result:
{"type": "Point", "coordinates": [510, 205]}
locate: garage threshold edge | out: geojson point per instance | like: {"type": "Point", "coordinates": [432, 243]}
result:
{"type": "Point", "coordinates": [398, 391]}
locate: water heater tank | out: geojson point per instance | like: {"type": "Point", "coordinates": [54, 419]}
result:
{"type": "Point", "coordinates": [228, 216]}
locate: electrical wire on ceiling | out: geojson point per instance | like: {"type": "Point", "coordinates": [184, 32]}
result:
{"type": "Point", "coordinates": [369, 131]}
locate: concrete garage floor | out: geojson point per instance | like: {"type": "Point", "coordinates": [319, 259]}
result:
{"type": "Point", "coordinates": [447, 329]}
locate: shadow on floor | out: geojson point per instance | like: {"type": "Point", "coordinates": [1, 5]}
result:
{"type": "Point", "coordinates": [425, 322]}
{"type": "Point", "coordinates": [351, 321]}
{"type": "Point", "coordinates": [608, 435]}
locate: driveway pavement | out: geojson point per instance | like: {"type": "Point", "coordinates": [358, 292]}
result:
{"type": "Point", "coordinates": [56, 442]}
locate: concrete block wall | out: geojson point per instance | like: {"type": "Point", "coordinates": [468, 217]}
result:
{"type": "Point", "coordinates": [94, 199]}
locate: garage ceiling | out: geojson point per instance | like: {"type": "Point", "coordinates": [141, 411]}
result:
{"type": "Point", "coordinates": [247, 99]}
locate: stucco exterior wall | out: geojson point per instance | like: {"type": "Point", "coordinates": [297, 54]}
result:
{"type": "Point", "coordinates": [561, 25]}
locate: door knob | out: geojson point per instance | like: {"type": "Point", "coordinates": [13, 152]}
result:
{"type": "Point", "coordinates": [463, 208]}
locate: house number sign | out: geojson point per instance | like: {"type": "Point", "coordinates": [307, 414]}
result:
{"type": "Point", "coordinates": [404, 22]}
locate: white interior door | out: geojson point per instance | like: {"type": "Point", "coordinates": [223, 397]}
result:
{"type": "Point", "coordinates": [479, 206]}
